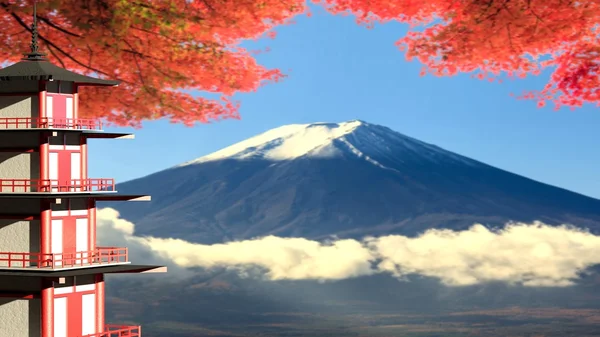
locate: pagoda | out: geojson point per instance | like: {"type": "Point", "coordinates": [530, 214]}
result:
{"type": "Point", "coordinates": [51, 270]}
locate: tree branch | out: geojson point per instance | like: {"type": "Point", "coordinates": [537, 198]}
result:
{"type": "Point", "coordinates": [56, 57]}
{"type": "Point", "coordinates": [53, 25]}
{"type": "Point", "coordinates": [52, 45]}
{"type": "Point", "coordinates": [49, 43]}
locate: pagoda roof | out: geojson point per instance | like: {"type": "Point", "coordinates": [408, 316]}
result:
{"type": "Point", "coordinates": [78, 271]}
{"type": "Point", "coordinates": [85, 132]}
{"type": "Point", "coordinates": [42, 69]}
{"type": "Point", "coordinates": [97, 195]}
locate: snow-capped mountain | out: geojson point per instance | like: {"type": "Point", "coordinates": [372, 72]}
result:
{"type": "Point", "coordinates": [329, 140]}
{"type": "Point", "coordinates": [347, 179]}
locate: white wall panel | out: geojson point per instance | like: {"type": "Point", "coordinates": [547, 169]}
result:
{"type": "Point", "coordinates": [60, 317]}
{"type": "Point", "coordinates": [57, 239]}
{"type": "Point", "coordinates": [81, 239]}
{"type": "Point", "coordinates": [88, 314]}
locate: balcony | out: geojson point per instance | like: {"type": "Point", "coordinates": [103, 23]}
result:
{"type": "Point", "coordinates": [98, 256]}
{"type": "Point", "coordinates": [18, 123]}
{"type": "Point", "coordinates": [113, 330]}
{"type": "Point", "coordinates": [54, 185]}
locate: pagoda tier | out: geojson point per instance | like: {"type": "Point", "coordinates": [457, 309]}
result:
{"type": "Point", "coordinates": [50, 234]}
{"type": "Point", "coordinates": [43, 143]}
{"type": "Point", "coordinates": [51, 268]}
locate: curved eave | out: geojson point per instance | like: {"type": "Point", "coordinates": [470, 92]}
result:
{"type": "Point", "coordinates": [104, 83]}
{"type": "Point", "coordinates": [43, 70]}
{"type": "Point", "coordinates": [110, 84]}
{"type": "Point", "coordinates": [79, 271]}
{"type": "Point", "coordinates": [110, 135]}
{"type": "Point", "coordinates": [48, 195]}
{"type": "Point", "coordinates": [87, 133]}
{"type": "Point", "coordinates": [98, 196]}
{"type": "Point", "coordinates": [124, 198]}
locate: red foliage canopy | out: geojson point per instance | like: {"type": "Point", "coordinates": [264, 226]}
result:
{"type": "Point", "coordinates": [160, 49]}
{"type": "Point", "coordinates": [492, 37]}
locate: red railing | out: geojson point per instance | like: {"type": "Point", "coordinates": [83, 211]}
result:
{"type": "Point", "coordinates": [54, 185]}
{"type": "Point", "coordinates": [49, 122]}
{"type": "Point", "coordinates": [113, 330]}
{"type": "Point", "coordinates": [100, 255]}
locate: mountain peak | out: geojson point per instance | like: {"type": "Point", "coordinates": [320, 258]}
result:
{"type": "Point", "coordinates": [285, 142]}
{"type": "Point", "coordinates": [376, 144]}
{"type": "Point", "coordinates": [374, 181]}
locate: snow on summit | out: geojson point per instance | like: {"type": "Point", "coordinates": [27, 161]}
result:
{"type": "Point", "coordinates": [285, 142]}
{"type": "Point", "coordinates": [359, 138]}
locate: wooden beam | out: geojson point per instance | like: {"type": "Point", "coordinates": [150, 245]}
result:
{"type": "Point", "coordinates": [19, 93]}
{"type": "Point", "coordinates": [19, 149]}
{"type": "Point", "coordinates": [19, 295]}
{"type": "Point", "coordinates": [23, 217]}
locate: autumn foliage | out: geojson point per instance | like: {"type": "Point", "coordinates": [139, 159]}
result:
{"type": "Point", "coordinates": [492, 38]}
{"type": "Point", "coordinates": [162, 49]}
{"type": "Point", "coordinates": [159, 49]}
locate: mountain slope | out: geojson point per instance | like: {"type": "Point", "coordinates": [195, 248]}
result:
{"type": "Point", "coordinates": [349, 179]}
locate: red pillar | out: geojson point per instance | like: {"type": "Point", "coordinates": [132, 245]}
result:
{"type": "Point", "coordinates": [99, 302]}
{"type": "Point", "coordinates": [47, 299]}
{"type": "Point", "coordinates": [83, 162]}
{"type": "Point", "coordinates": [44, 165]}
{"type": "Point", "coordinates": [47, 293]}
{"type": "Point", "coordinates": [45, 228]}
{"type": "Point", "coordinates": [44, 146]}
{"type": "Point", "coordinates": [92, 223]}
{"type": "Point", "coordinates": [42, 100]}
{"type": "Point", "coordinates": [44, 158]}
{"type": "Point", "coordinates": [75, 101]}
{"type": "Point", "coordinates": [45, 231]}
{"type": "Point", "coordinates": [44, 184]}
{"type": "Point", "coordinates": [84, 156]}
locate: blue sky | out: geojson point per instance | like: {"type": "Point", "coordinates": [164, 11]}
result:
{"type": "Point", "coordinates": [339, 71]}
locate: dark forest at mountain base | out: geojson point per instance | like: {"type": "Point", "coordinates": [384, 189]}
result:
{"type": "Point", "coordinates": [225, 305]}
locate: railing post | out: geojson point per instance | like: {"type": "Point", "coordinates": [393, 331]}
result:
{"type": "Point", "coordinates": [43, 260]}
{"type": "Point", "coordinates": [39, 261]}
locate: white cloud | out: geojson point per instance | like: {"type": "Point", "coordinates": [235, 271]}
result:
{"type": "Point", "coordinates": [526, 254]}
{"type": "Point", "coordinates": [116, 232]}
{"type": "Point", "coordinates": [283, 258]}
{"type": "Point", "coordinates": [531, 255]}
